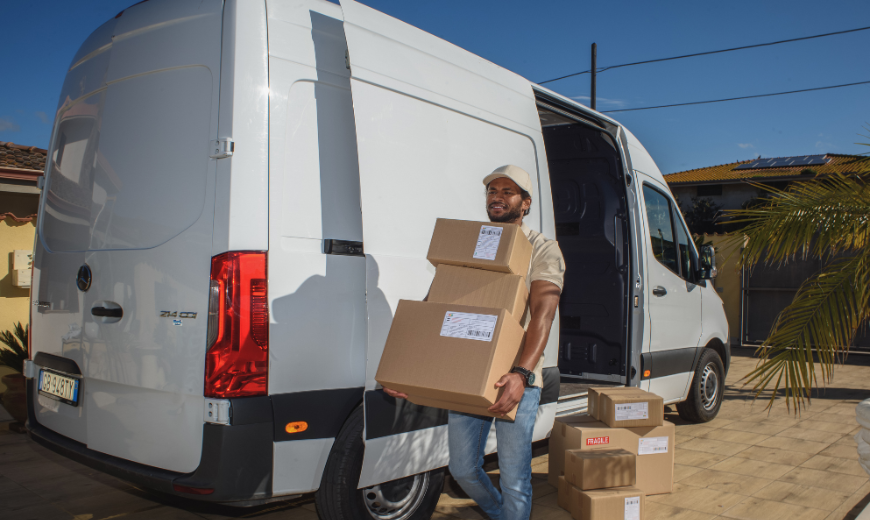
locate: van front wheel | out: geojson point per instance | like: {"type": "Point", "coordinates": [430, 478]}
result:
{"type": "Point", "coordinates": [408, 498]}
{"type": "Point", "coordinates": [705, 394]}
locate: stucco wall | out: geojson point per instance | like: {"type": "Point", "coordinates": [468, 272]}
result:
{"type": "Point", "coordinates": [727, 284]}
{"type": "Point", "coordinates": [13, 300]}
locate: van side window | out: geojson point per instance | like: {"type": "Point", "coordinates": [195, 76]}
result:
{"type": "Point", "coordinates": [685, 250]}
{"type": "Point", "coordinates": [658, 216]}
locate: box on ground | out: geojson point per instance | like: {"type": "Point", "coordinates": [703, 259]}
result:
{"type": "Point", "coordinates": [653, 445]}
{"type": "Point", "coordinates": [598, 469]}
{"type": "Point", "coordinates": [629, 408]}
{"type": "Point", "coordinates": [468, 286]}
{"type": "Point", "coordinates": [484, 245]}
{"type": "Point", "coordinates": [450, 354]}
{"type": "Point", "coordinates": [620, 503]}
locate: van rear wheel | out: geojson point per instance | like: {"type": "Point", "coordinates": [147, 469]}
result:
{"type": "Point", "coordinates": [705, 394]}
{"type": "Point", "coordinates": [409, 498]}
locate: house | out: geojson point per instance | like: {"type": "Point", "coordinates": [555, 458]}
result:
{"type": "Point", "coordinates": [754, 298]}
{"type": "Point", "coordinates": [21, 167]}
{"type": "Point", "coordinates": [728, 185]}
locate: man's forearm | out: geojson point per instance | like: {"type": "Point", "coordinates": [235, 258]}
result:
{"type": "Point", "coordinates": [536, 341]}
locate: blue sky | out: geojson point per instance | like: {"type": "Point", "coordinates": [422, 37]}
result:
{"type": "Point", "coordinates": [545, 39]}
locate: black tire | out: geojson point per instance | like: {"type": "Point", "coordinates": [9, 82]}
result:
{"type": "Point", "coordinates": [705, 394]}
{"type": "Point", "coordinates": [409, 498]}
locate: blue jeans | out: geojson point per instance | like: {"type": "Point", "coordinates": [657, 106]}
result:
{"type": "Point", "coordinates": [467, 438]}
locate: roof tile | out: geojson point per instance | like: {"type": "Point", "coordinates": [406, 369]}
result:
{"type": "Point", "coordinates": [725, 173]}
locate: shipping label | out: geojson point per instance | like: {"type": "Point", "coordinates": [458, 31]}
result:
{"type": "Point", "coordinates": [466, 325]}
{"type": "Point", "coordinates": [632, 508]}
{"type": "Point", "coordinates": [597, 441]}
{"type": "Point", "coordinates": [632, 411]}
{"type": "Point", "coordinates": [487, 242]}
{"type": "Point", "coordinates": [652, 445]}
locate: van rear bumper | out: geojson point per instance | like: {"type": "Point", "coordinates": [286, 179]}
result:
{"type": "Point", "coordinates": [236, 460]}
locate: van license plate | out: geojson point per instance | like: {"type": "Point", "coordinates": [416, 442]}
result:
{"type": "Point", "coordinates": [64, 389]}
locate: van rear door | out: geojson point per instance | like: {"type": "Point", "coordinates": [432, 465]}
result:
{"type": "Point", "coordinates": [129, 195]}
{"type": "Point", "coordinates": [432, 120]}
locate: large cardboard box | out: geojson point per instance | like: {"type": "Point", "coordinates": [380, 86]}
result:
{"type": "Point", "coordinates": [598, 469]}
{"type": "Point", "coordinates": [450, 354]}
{"type": "Point", "coordinates": [629, 408]}
{"type": "Point", "coordinates": [468, 286]}
{"type": "Point", "coordinates": [653, 445]}
{"type": "Point", "coordinates": [620, 503]}
{"type": "Point", "coordinates": [483, 245]}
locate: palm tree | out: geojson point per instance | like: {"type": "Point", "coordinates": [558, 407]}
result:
{"type": "Point", "coordinates": [827, 218]}
{"type": "Point", "coordinates": [16, 352]}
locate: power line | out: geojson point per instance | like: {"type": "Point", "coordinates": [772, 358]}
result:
{"type": "Point", "coordinates": [736, 98]}
{"type": "Point", "coordinates": [707, 53]}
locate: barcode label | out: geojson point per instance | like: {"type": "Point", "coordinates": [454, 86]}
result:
{"type": "Point", "coordinates": [632, 508]}
{"type": "Point", "coordinates": [652, 445]}
{"type": "Point", "coordinates": [487, 242]}
{"type": "Point", "coordinates": [632, 411]}
{"type": "Point", "coordinates": [466, 325]}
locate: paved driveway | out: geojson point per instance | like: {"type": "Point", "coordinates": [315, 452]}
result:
{"type": "Point", "coordinates": [745, 464]}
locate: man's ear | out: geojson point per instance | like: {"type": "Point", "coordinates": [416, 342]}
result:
{"type": "Point", "coordinates": [527, 203]}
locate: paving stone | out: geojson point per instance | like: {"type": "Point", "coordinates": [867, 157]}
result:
{"type": "Point", "coordinates": [842, 451]}
{"type": "Point", "coordinates": [835, 464]}
{"type": "Point", "coordinates": [714, 446]}
{"type": "Point", "coordinates": [806, 496]}
{"type": "Point", "coordinates": [540, 512]}
{"type": "Point", "coordinates": [824, 479]}
{"type": "Point", "coordinates": [699, 459]}
{"type": "Point", "coordinates": [766, 428]}
{"type": "Point", "coordinates": [753, 468]}
{"type": "Point", "coordinates": [797, 445]}
{"type": "Point", "coordinates": [37, 511]}
{"type": "Point", "coordinates": [682, 472]}
{"type": "Point", "coordinates": [759, 509]}
{"type": "Point", "coordinates": [736, 436]}
{"type": "Point", "coordinates": [807, 434]}
{"type": "Point", "coordinates": [704, 500]}
{"type": "Point", "coordinates": [658, 511]}
{"type": "Point", "coordinates": [826, 426]}
{"type": "Point", "coordinates": [774, 455]}
{"type": "Point", "coordinates": [728, 482]}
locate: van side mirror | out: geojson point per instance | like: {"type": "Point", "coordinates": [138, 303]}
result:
{"type": "Point", "coordinates": [708, 269]}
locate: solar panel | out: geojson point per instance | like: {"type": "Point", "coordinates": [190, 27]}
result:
{"type": "Point", "coordinates": [784, 162]}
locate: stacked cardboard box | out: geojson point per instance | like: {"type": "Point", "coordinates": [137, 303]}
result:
{"type": "Point", "coordinates": [449, 351]}
{"type": "Point", "coordinates": [604, 464]}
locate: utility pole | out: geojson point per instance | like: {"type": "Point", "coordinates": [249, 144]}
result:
{"type": "Point", "coordinates": [594, 73]}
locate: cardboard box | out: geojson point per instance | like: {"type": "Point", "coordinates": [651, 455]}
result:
{"type": "Point", "coordinates": [483, 245]}
{"type": "Point", "coordinates": [630, 409]}
{"type": "Point", "coordinates": [653, 445]}
{"type": "Point", "coordinates": [621, 503]}
{"type": "Point", "coordinates": [479, 288]}
{"type": "Point", "coordinates": [450, 354]}
{"type": "Point", "coordinates": [594, 395]}
{"type": "Point", "coordinates": [598, 469]}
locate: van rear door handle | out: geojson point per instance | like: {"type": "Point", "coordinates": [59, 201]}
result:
{"type": "Point", "coordinates": [660, 291]}
{"type": "Point", "coordinates": [105, 312]}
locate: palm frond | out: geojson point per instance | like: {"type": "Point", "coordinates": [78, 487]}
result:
{"type": "Point", "coordinates": [813, 218]}
{"type": "Point", "coordinates": [15, 353]}
{"type": "Point", "coordinates": [822, 319]}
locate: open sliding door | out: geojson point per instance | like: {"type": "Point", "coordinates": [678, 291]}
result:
{"type": "Point", "coordinates": [431, 120]}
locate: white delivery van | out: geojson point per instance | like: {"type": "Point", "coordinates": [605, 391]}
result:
{"type": "Point", "coordinates": [238, 195]}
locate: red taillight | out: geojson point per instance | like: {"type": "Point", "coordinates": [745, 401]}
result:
{"type": "Point", "coordinates": [237, 362]}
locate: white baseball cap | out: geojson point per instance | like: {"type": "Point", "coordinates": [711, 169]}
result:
{"type": "Point", "coordinates": [514, 173]}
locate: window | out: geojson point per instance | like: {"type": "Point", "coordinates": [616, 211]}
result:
{"type": "Point", "coordinates": [658, 216]}
{"type": "Point", "coordinates": [710, 190]}
{"type": "Point", "coordinates": [685, 250]}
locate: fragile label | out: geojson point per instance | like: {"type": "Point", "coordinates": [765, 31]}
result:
{"type": "Point", "coordinates": [632, 508]}
{"type": "Point", "coordinates": [632, 411]}
{"type": "Point", "coordinates": [597, 441]}
{"type": "Point", "coordinates": [652, 445]}
{"type": "Point", "coordinates": [487, 242]}
{"type": "Point", "coordinates": [466, 325]}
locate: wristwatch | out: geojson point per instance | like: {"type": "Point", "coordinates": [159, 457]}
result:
{"type": "Point", "coordinates": [528, 375]}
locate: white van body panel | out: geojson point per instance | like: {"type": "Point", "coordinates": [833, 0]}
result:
{"type": "Point", "coordinates": [139, 212]}
{"type": "Point", "coordinates": [714, 320]}
{"type": "Point", "coordinates": [241, 207]}
{"type": "Point", "coordinates": [641, 160]}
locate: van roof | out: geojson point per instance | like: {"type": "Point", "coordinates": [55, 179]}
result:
{"type": "Point", "coordinates": [579, 106]}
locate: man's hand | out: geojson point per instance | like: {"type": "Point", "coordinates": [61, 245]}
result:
{"type": "Point", "coordinates": [394, 393]}
{"type": "Point", "coordinates": [514, 386]}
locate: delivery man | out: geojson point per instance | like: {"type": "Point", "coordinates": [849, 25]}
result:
{"type": "Point", "coordinates": [508, 199]}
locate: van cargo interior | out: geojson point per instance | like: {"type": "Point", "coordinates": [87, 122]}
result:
{"type": "Point", "coordinates": [589, 201]}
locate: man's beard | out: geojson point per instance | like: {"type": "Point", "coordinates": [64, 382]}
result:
{"type": "Point", "coordinates": [514, 214]}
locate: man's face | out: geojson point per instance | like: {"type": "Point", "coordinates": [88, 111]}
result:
{"type": "Point", "coordinates": [504, 201]}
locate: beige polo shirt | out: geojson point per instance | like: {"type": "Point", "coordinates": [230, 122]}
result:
{"type": "Point", "coordinates": [547, 264]}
